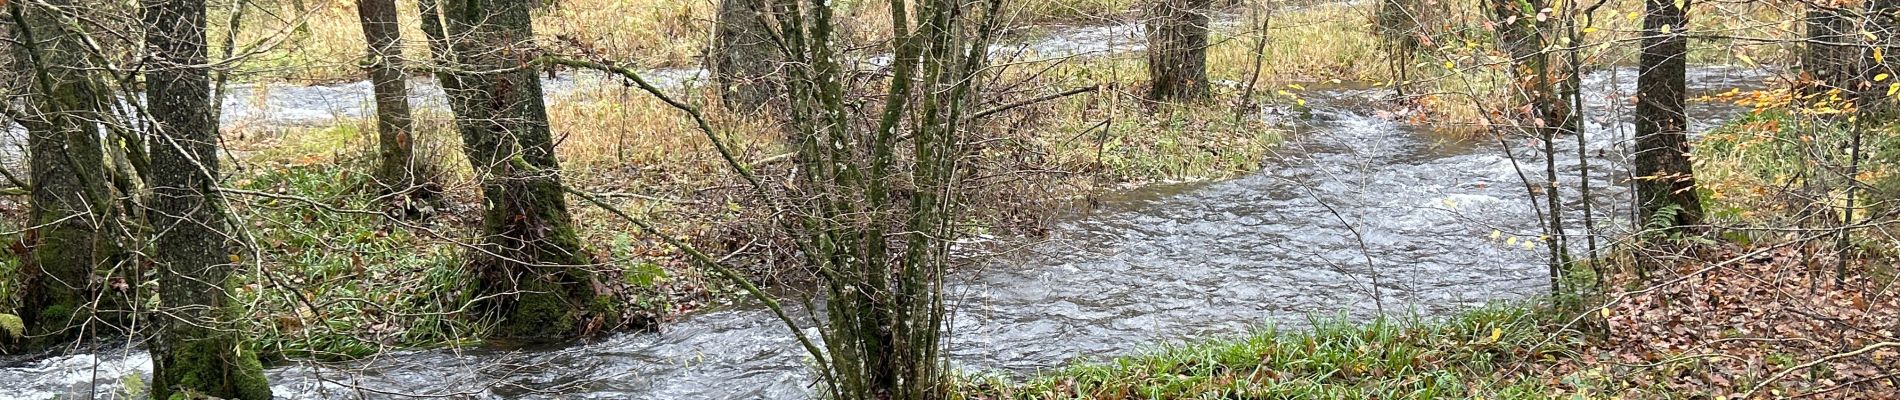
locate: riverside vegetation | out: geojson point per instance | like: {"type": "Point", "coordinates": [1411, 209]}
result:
{"type": "Point", "coordinates": [672, 199]}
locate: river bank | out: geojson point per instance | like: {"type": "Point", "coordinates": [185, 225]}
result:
{"type": "Point", "coordinates": [1706, 328]}
{"type": "Point", "coordinates": [1356, 212]}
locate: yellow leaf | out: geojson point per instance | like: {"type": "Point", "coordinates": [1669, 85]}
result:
{"type": "Point", "coordinates": [1450, 65]}
{"type": "Point", "coordinates": [235, 259]}
{"type": "Point", "coordinates": [1665, 29]}
{"type": "Point", "coordinates": [1746, 59]}
{"type": "Point", "coordinates": [1496, 333]}
{"type": "Point", "coordinates": [1587, 31]}
{"type": "Point", "coordinates": [1495, 233]}
{"type": "Point", "coordinates": [1511, 241]}
{"type": "Point", "coordinates": [1891, 89]}
{"type": "Point", "coordinates": [1528, 245]}
{"type": "Point", "coordinates": [1634, 14]}
{"type": "Point", "coordinates": [1606, 312]}
{"type": "Point", "coordinates": [1880, 77]}
{"type": "Point", "coordinates": [1880, 56]}
{"type": "Point", "coordinates": [1449, 203]}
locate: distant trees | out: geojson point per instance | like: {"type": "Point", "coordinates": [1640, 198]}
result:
{"type": "Point", "coordinates": [1665, 182]}
{"type": "Point", "coordinates": [73, 207]}
{"type": "Point", "coordinates": [1826, 59]}
{"type": "Point", "coordinates": [396, 169]}
{"type": "Point", "coordinates": [1401, 30]}
{"type": "Point", "coordinates": [197, 353]}
{"type": "Point", "coordinates": [536, 280]}
{"type": "Point", "coordinates": [743, 60]}
{"type": "Point", "coordinates": [1177, 49]}
{"type": "Point", "coordinates": [1523, 33]}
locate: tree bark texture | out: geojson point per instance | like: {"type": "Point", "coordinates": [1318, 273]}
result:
{"type": "Point", "coordinates": [72, 203]}
{"type": "Point", "coordinates": [538, 282]}
{"type": "Point", "coordinates": [1664, 176]}
{"type": "Point", "coordinates": [1177, 49]}
{"type": "Point", "coordinates": [396, 169]}
{"type": "Point", "coordinates": [744, 60]}
{"type": "Point", "coordinates": [1827, 59]}
{"type": "Point", "coordinates": [196, 353]}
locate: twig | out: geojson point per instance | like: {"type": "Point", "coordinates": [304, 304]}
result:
{"type": "Point", "coordinates": [818, 356]}
{"type": "Point", "coordinates": [1784, 373]}
{"type": "Point", "coordinates": [1038, 99]}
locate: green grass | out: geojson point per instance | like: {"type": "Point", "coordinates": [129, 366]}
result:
{"type": "Point", "coordinates": [1471, 355]}
{"type": "Point", "coordinates": [344, 281]}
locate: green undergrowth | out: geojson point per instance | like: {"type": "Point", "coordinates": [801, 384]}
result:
{"type": "Point", "coordinates": [1784, 164]}
{"type": "Point", "coordinates": [338, 278]}
{"type": "Point", "coordinates": [1480, 353]}
{"type": "Point", "coordinates": [338, 285]}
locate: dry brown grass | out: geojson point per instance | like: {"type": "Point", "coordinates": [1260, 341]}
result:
{"type": "Point", "coordinates": [321, 41]}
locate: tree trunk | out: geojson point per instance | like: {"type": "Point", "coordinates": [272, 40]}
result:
{"type": "Point", "coordinates": [396, 169]}
{"type": "Point", "coordinates": [1665, 180]}
{"type": "Point", "coordinates": [1177, 50]}
{"type": "Point", "coordinates": [1827, 61]}
{"type": "Point", "coordinates": [536, 278]}
{"type": "Point", "coordinates": [744, 60]}
{"type": "Point", "coordinates": [196, 352]}
{"type": "Point", "coordinates": [72, 203]}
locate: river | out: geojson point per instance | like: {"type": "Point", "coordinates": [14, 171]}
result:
{"type": "Point", "coordinates": [1352, 198]}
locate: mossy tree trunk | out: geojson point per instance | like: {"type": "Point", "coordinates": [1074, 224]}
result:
{"type": "Point", "coordinates": [1665, 181]}
{"type": "Point", "coordinates": [196, 353]}
{"type": "Point", "coordinates": [396, 169]}
{"type": "Point", "coordinates": [72, 204]}
{"type": "Point", "coordinates": [1177, 49]}
{"type": "Point", "coordinates": [537, 280]}
{"type": "Point", "coordinates": [744, 60]}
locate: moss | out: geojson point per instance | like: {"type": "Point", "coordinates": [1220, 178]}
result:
{"type": "Point", "coordinates": [209, 367]}
{"type": "Point", "coordinates": [541, 311]}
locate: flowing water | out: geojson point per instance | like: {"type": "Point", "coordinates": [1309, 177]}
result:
{"type": "Point", "coordinates": [1352, 199]}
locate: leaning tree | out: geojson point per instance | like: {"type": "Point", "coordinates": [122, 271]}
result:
{"type": "Point", "coordinates": [536, 280]}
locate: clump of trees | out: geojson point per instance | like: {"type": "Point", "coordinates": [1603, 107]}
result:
{"type": "Point", "coordinates": [873, 206]}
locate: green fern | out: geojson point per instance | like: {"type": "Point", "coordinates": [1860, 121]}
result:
{"type": "Point", "coordinates": [12, 326]}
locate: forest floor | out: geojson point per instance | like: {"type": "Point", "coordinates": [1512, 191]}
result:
{"type": "Point", "coordinates": [1767, 321]}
